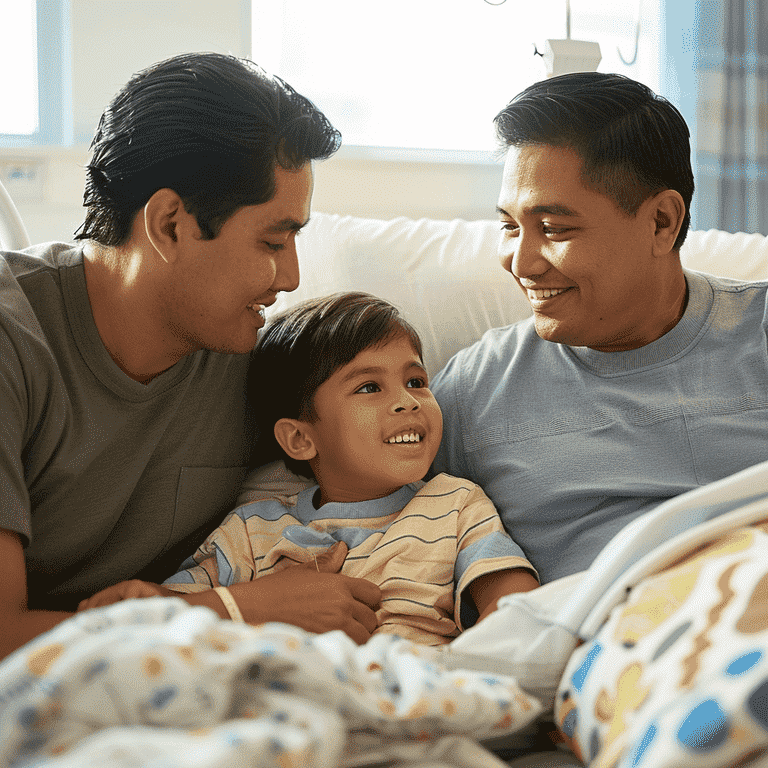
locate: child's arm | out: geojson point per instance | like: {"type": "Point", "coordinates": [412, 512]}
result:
{"type": "Point", "coordinates": [487, 589]}
{"type": "Point", "coordinates": [124, 590]}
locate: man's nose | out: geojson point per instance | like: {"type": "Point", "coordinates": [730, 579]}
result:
{"type": "Point", "coordinates": [287, 276]}
{"type": "Point", "coordinates": [522, 256]}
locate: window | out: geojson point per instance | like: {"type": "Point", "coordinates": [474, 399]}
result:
{"type": "Point", "coordinates": [32, 66]}
{"type": "Point", "coordinates": [18, 69]}
{"type": "Point", "coordinates": [434, 73]}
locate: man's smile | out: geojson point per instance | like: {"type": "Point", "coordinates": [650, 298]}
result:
{"type": "Point", "coordinates": [540, 297]}
{"type": "Point", "coordinates": [544, 293]}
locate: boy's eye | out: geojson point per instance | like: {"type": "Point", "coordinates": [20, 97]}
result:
{"type": "Point", "coordinates": [417, 382]}
{"type": "Point", "coordinates": [274, 246]}
{"type": "Point", "coordinates": [369, 389]}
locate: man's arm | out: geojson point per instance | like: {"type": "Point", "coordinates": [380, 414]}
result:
{"type": "Point", "coordinates": [313, 596]}
{"type": "Point", "coordinates": [17, 624]}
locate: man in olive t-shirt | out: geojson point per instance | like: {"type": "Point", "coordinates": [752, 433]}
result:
{"type": "Point", "coordinates": [124, 428]}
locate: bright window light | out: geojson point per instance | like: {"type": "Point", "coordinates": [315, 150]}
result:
{"type": "Point", "coordinates": [18, 69]}
{"type": "Point", "coordinates": [432, 73]}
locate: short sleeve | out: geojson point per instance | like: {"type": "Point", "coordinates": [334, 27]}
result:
{"type": "Point", "coordinates": [15, 510]}
{"type": "Point", "coordinates": [223, 559]}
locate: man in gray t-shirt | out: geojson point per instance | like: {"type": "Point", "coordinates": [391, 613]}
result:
{"type": "Point", "coordinates": [125, 432]}
{"type": "Point", "coordinates": [634, 380]}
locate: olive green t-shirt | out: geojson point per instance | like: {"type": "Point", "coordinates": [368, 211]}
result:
{"type": "Point", "coordinates": [103, 477]}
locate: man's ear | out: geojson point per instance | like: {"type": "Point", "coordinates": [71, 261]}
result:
{"type": "Point", "coordinates": [296, 439]}
{"type": "Point", "coordinates": [668, 212]}
{"type": "Point", "coordinates": [162, 217]}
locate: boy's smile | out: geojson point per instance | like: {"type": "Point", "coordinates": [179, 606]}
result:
{"type": "Point", "coordinates": [378, 425]}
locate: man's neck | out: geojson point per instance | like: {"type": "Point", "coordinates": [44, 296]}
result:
{"type": "Point", "coordinates": [678, 307]}
{"type": "Point", "coordinates": [123, 310]}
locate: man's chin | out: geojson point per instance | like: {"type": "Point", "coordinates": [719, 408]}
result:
{"type": "Point", "coordinates": [550, 330]}
{"type": "Point", "coordinates": [560, 333]}
{"type": "Point", "coordinates": [233, 347]}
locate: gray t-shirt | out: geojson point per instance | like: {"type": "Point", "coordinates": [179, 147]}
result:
{"type": "Point", "coordinates": [103, 477]}
{"type": "Point", "coordinates": [571, 444]}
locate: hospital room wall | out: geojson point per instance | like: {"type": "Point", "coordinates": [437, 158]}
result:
{"type": "Point", "coordinates": [370, 188]}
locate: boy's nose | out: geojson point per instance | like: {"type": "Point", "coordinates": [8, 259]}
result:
{"type": "Point", "coordinates": [406, 402]}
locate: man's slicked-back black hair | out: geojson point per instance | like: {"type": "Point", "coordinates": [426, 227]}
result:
{"type": "Point", "coordinates": [209, 126]}
{"type": "Point", "coordinates": [633, 143]}
{"type": "Point", "coordinates": [303, 347]}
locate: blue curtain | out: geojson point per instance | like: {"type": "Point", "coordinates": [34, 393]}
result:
{"type": "Point", "coordinates": [732, 116]}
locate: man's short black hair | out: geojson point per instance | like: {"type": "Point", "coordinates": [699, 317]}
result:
{"type": "Point", "coordinates": [303, 347]}
{"type": "Point", "coordinates": [632, 142]}
{"type": "Point", "coordinates": [209, 126]}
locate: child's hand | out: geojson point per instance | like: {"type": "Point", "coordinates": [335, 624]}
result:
{"type": "Point", "coordinates": [124, 590]}
{"type": "Point", "coordinates": [330, 561]}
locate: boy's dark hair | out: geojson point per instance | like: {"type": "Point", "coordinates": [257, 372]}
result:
{"type": "Point", "coordinates": [633, 143]}
{"type": "Point", "coordinates": [210, 127]}
{"type": "Point", "coordinates": [303, 347]}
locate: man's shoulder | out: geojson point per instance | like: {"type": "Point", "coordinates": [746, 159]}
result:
{"type": "Point", "coordinates": [735, 303]}
{"type": "Point", "coordinates": [30, 288]}
{"type": "Point", "coordinates": [45, 257]}
{"type": "Point", "coordinates": [493, 354]}
{"type": "Point", "coordinates": [730, 284]}
{"type": "Point", "coordinates": [507, 336]}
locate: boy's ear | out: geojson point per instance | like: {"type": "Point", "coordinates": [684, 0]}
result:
{"type": "Point", "coordinates": [295, 438]}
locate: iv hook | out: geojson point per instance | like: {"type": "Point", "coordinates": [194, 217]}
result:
{"type": "Point", "coordinates": [637, 38]}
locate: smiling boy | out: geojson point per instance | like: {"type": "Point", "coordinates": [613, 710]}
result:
{"type": "Point", "coordinates": [352, 407]}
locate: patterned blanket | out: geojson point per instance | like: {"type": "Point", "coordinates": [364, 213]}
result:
{"type": "Point", "coordinates": [157, 682]}
{"type": "Point", "coordinates": [672, 670]}
{"type": "Point", "coordinates": [678, 675]}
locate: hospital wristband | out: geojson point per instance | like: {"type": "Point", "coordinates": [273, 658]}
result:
{"type": "Point", "coordinates": [229, 603]}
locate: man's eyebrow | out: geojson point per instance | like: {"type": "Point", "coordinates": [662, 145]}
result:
{"type": "Point", "coordinates": [555, 209]}
{"type": "Point", "coordinates": [287, 225]}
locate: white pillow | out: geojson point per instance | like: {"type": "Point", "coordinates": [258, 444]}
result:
{"type": "Point", "coordinates": [445, 275]}
{"type": "Point", "coordinates": [740, 256]}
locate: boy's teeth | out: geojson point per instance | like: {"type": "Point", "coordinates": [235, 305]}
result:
{"type": "Point", "coordinates": [412, 437]}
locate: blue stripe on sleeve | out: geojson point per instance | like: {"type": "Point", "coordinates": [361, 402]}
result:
{"type": "Point", "coordinates": [496, 544]}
